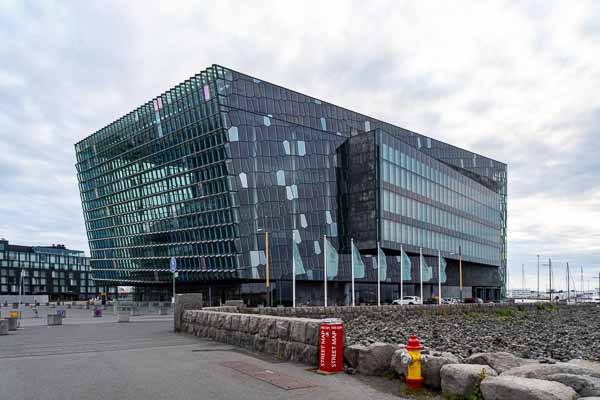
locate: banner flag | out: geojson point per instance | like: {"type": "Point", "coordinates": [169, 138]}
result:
{"type": "Point", "coordinates": [332, 260]}
{"type": "Point", "coordinates": [359, 266]}
{"type": "Point", "coordinates": [382, 264]}
{"type": "Point", "coordinates": [443, 276]}
{"type": "Point", "coordinates": [297, 259]}
{"type": "Point", "coordinates": [406, 267]}
{"type": "Point", "coordinates": [427, 270]}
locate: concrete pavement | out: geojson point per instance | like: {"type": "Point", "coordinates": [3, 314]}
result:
{"type": "Point", "coordinates": [145, 360]}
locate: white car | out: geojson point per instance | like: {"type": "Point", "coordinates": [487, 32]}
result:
{"type": "Point", "coordinates": [408, 300]}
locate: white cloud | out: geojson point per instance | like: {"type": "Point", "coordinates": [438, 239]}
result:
{"type": "Point", "coordinates": [513, 81]}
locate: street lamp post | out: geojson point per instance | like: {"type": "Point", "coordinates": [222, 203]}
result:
{"type": "Point", "coordinates": [460, 280]}
{"type": "Point", "coordinates": [267, 274]}
{"type": "Point", "coordinates": [21, 276]}
{"type": "Point", "coordinates": [538, 277]}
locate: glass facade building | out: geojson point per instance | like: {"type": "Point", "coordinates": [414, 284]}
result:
{"type": "Point", "coordinates": [50, 272]}
{"type": "Point", "coordinates": [202, 172]}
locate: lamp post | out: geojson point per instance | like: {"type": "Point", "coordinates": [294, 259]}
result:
{"type": "Point", "coordinates": [460, 280]}
{"type": "Point", "coordinates": [538, 277]}
{"type": "Point", "coordinates": [267, 274]}
{"type": "Point", "coordinates": [21, 276]}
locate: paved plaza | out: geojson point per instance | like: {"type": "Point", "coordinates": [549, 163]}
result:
{"type": "Point", "coordinates": [98, 358]}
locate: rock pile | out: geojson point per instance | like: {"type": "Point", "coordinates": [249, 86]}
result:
{"type": "Point", "coordinates": [491, 376]}
{"type": "Point", "coordinates": [562, 333]}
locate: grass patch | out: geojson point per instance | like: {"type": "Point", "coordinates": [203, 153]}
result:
{"type": "Point", "coordinates": [546, 306]}
{"type": "Point", "coordinates": [390, 375]}
{"type": "Point", "coordinates": [410, 392]}
{"type": "Point", "coordinates": [504, 312]}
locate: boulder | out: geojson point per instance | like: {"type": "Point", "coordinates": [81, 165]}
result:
{"type": "Point", "coordinates": [460, 380]}
{"type": "Point", "coordinates": [541, 371]}
{"type": "Point", "coordinates": [584, 385]}
{"type": "Point", "coordinates": [500, 361]}
{"type": "Point", "coordinates": [398, 363]}
{"type": "Point", "coordinates": [593, 365]}
{"type": "Point", "coordinates": [376, 358]}
{"type": "Point", "coordinates": [431, 364]}
{"type": "Point", "coordinates": [351, 354]}
{"type": "Point", "coordinates": [510, 387]}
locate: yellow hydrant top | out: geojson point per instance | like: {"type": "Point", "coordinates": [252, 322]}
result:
{"type": "Point", "coordinates": [414, 378]}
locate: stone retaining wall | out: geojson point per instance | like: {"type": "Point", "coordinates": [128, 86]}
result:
{"type": "Point", "coordinates": [347, 313]}
{"type": "Point", "coordinates": [189, 301]}
{"type": "Point", "coordinates": [293, 339]}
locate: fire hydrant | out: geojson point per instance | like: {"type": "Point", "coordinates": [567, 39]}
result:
{"type": "Point", "coordinates": [414, 379]}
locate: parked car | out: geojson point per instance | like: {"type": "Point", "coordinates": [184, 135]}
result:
{"type": "Point", "coordinates": [449, 301]}
{"type": "Point", "coordinates": [473, 300]}
{"type": "Point", "coordinates": [408, 300]}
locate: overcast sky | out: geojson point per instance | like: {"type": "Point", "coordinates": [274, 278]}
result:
{"type": "Point", "coordinates": [515, 81]}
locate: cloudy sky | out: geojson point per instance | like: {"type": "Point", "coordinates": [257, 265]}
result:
{"type": "Point", "coordinates": [515, 81]}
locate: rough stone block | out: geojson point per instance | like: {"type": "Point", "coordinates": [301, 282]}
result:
{"type": "Point", "coordinates": [212, 320]}
{"type": "Point", "coordinates": [290, 351]}
{"type": "Point", "coordinates": [235, 323]}
{"type": "Point", "coordinates": [312, 333]}
{"type": "Point", "coordinates": [247, 341]}
{"type": "Point", "coordinates": [376, 358]}
{"type": "Point", "coordinates": [592, 365]}
{"type": "Point", "coordinates": [281, 348]}
{"type": "Point", "coordinates": [461, 379]}
{"type": "Point", "coordinates": [584, 385]}
{"type": "Point", "coordinates": [298, 331]}
{"type": "Point", "coordinates": [499, 361]}
{"type": "Point", "coordinates": [244, 319]}
{"type": "Point", "coordinates": [212, 332]}
{"type": "Point", "coordinates": [310, 355]}
{"type": "Point", "coordinates": [431, 364]}
{"type": "Point", "coordinates": [221, 321]}
{"type": "Point", "coordinates": [253, 325]}
{"type": "Point", "coordinates": [398, 363]}
{"type": "Point", "coordinates": [266, 325]}
{"type": "Point", "coordinates": [226, 322]}
{"type": "Point", "coordinates": [271, 346]}
{"type": "Point", "coordinates": [259, 343]}
{"type": "Point", "coordinates": [282, 328]}
{"type": "Point", "coordinates": [511, 387]}
{"type": "Point", "coordinates": [351, 354]}
{"type": "Point", "coordinates": [541, 371]}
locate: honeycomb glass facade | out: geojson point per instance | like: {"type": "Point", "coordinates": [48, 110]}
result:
{"type": "Point", "coordinates": [206, 170]}
{"type": "Point", "coordinates": [52, 271]}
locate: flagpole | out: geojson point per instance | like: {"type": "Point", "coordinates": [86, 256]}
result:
{"type": "Point", "coordinates": [401, 274]}
{"type": "Point", "coordinates": [421, 271]}
{"type": "Point", "coordinates": [293, 275]}
{"type": "Point", "coordinates": [439, 278]}
{"type": "Point", "coordinates": [325, 267]}
{"type": "Point", "coordinates": [378, 276]}
{"type": "Point", "coordinates": [352, 265]}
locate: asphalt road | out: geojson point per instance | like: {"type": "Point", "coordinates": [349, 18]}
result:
{"type": "Point", "coordinates": [145, 360]}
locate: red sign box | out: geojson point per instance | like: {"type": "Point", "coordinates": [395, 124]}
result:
{"type": "Point", "coordinates": [331, 347]}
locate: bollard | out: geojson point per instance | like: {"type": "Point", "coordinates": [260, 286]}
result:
{"type": "Point", "coordinates": [414, 378]}
{"type": "Point", "coordinates": [54, 319]}
{"type": "Point", "coordinates": [3, 327]}
{"type": "Point", "coordinates": [13, 323]}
